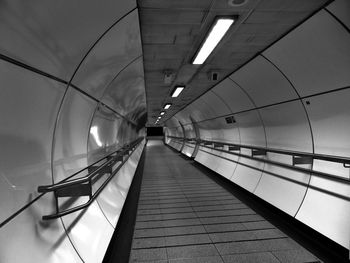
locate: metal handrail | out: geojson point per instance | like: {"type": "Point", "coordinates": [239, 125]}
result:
{"type": "Point", "coordinates": [64, 184]}
{"type": "Point", "coordinates": [337, 159]}
{"type": "Point", "coordinates": [263, 151]}
{"type": "Point", "coordinates": [284, 165]}
{"type": "Point", "coordinates": [86, 181]}
{"type": "Point", "coordinates": [285, 178]}
{"type": "Point", "coordinates": [323, 157]}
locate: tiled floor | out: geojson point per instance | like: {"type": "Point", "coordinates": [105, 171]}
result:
{"type": "Point", "coordinates": [184, 216]}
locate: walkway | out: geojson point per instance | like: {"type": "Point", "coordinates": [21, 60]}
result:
{"type": "Point", "coordinates": [184, 216]}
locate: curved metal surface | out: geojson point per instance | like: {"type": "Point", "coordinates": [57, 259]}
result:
{"type": "Point", "coordinates": [51, 44]}
{"type": "Point", "coordinates": [49, 36]}
{"type": "Point", "coordinates": [118, 47]}
{"type": "Point", "coordinates": [25, 134]}
{"type": "Point", "coordinates": [299, 97]}
{"type": "Point", "coordinates": [44, 45]}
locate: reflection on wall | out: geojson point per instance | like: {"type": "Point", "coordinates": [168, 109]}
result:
{"type": "Point", "coordinates": [292, 97]}
{"type": "Point", "coordinates": [72, 92]}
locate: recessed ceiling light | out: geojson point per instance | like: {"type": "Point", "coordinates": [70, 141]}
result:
{"type": "Point", "coordinates": [216, 33]}
{"type": "Point", "coordinates": [176, 92]}
{"type": "Point", "coordinates": [167, 106]}
{"type": "Point", "coordinates": [162, 113]}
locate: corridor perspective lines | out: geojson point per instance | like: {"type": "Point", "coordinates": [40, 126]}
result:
{"type": "Point", "coordinates": [184, 216]}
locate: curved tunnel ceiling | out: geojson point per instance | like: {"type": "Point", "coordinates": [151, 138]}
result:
{"type": "Point", "coordinates": [75, 82]}
{"type": "Point", "coordinates": [173, 31]}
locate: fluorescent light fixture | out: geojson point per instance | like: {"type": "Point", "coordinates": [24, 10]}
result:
{"type": "Point", "coordinates": [217, 32]}
{"type": "Point", "coordinates": [176, 92]}
{"type": "Point", "coordinates": [167, 106]}
{"type": "Point", "coordinates": [162, 113]}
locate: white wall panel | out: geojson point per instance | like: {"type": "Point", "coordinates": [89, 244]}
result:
{"type": "Point", "coordinates": [189, 131]}
{"type": "Point", "coordinates": [103, 134]}
{"type": "Point", "coordinates": [216, 104]}
{"type": "Point", "coordinates": [325, 213]}
{"type": "Point", "coordinates": [340, 8]}
{"type": "Point", "coordinates": [226, 167]}
{"type": "Point", "coordinates": [284, 194]}
{"type": "Point", "coordinates": [90, 232]}
{"type": "Point", "coordinates": [287, 127]}
{"type": "Point", "coordinates": [202, 110]}
{"type": "Point", "coordinates": [247, 177]}
{"type": "Point", "coordinates": [205, 157]}
{"type": "Point", "coordinates": [28, 239]}
{"type": "Point", "coordinates": [330, 119]}
{"type": "Point", "coordinates": [263, 82]}
{"type": "Point", "coordinates": [184, 115]}
{"type": "Point", "coordinates": [120, 46]}
{"type": "Point", "coordinates": [251, 129]}
{"type": "Point", "coordinates": [52, 37]}
{"type": "Point", "coordinates": [28, 107]}
{"type": "Point", "coordinates": [234, 97]}
{"type": "Point", "coordinates": [188, 149]}
{"type": "Point", "coordinates": [315, 56]}
{"type": "Point", "coordinates": [231, 133]}
{"type": "Point", "coordinates": [71, 137]}
{"type": "Point", "coordinates": [126, 92]}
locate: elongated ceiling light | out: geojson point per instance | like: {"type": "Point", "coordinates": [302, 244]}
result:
{"type": "Point", "coordinates": [167, 106]}
{"type": "Point", "coordinates": [162, 113]}
{"type": "Point", "coordinates": [217, 32]}
{"type": "Point", "coordinates": [176, 92]}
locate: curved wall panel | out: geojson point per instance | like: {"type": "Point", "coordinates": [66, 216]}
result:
{"type": "Point", "coordinates": [245, 175]}
{"type": "Point", "coordinates": [340, 9]}
{"type": "Point", "coordinates": [29, 105]}
{"type": "Point", "coordinates": [327, 214]}
{"type": "Point", "coordinates": [37, 241]}
{"type": "Point", "coordinates": [125, 93]}
{"type": "Point", "coordinates": [71, 135]}
{"type": "Point", "coordinates": [292, 97]}
{"type": "Point", "coordinates": [103, 137]}
{"type": "Point", "coordinates": [233, 96]}
{"type": "Point", "coordinates": [50, 130]}
{"type": "Point", "coordinates": [287, 127]}
{"type": "Point", "coordinates": [263, 82]}
{"type": "Point", "coordinates": [251, 129]}
{"type": "Point", "coordinates": [315, 56]}
{"type": "Point", "coordinates": [117, 49]}
{"type": "Point", "coordinates": [51, 37]}
{"type": "Point", "coordinates": [330, 127]}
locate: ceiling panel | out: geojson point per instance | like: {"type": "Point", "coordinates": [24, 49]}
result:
{"type": "Point", "coordinates": [172, 31]}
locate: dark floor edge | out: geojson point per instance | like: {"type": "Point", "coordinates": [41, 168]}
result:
{"type": "Point", "coordinates": [321, 246]}
{"type": "Point", "coordinates": [120, 245]}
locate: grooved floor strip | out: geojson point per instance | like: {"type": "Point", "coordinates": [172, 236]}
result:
{"type": "Point", "coordinates": [184, 216]}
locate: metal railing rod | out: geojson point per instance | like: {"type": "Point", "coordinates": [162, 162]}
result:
{"type": "Point", "coordinates": [284, 178]}
{"type": "Point", "coordinates": [288, 166]}
{"type": "Point", "coordinates": [132, 147]}
{"type": "Point", "coordinates": [323, 157]}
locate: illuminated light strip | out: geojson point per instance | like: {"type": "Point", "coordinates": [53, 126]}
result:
{"type": "Point", "coordinates": [167, 106]}
{"type": "Point", "coordinates": [177, 91]}
{"type": "Point", "coordinates": [217, 32]}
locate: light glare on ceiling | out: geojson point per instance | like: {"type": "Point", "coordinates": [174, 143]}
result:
{"type": "Point", "coordinates": [217, 32]}
{"type": "Point", "coordinates": [177, 91]}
